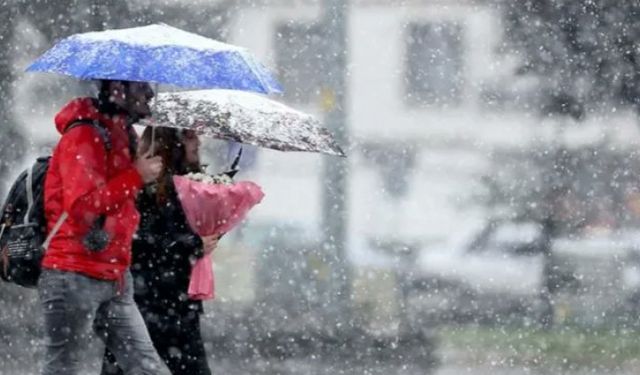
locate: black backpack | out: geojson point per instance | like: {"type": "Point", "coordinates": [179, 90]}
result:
{"type": "Point", "coordinates": [23, 227]}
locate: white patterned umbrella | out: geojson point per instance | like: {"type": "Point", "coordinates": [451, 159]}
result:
{"type": "Point", "coordinates": [243, 117]}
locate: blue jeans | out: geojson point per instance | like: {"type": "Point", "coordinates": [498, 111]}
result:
{"type": "Point", "coordinates": [74, 303]}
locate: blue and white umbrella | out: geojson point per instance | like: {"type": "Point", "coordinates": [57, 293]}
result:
{"type": "Point", "coordinates": [157, 53]}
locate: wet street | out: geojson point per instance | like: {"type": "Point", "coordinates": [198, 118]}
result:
{"type": "Point", "coordinates": [454, 350]}
{"type": "Point", "coordinates": [452, 364]}
{"type": "Point", "coordinates": [26, 359]}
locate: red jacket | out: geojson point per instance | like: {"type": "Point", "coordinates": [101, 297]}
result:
{"type": "Point", "coordinates": [86, 181]}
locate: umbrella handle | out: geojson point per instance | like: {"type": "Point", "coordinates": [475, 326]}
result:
{"type": "Point", "coordinates": [153, 129]}
{"type": "Point", "coordinates": [234, 165]}
{"type": "Point", "coordinates": [153, 137]}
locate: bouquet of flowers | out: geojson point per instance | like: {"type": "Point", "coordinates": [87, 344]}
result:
{"type": "Point", "coordinates": [213, 205]}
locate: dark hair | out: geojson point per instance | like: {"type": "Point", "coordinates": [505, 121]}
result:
{"type": "Point", "coordinates": [104, 92]}
{"type": "Point", "coordinates": [167, 143]}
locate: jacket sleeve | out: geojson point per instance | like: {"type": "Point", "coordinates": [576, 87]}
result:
{"type": "Point", "coordinates": [83, 166]}
{"type": "Point", "coordinates": [192, 242]}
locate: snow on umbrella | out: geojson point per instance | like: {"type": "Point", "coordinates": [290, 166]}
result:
{"type": "Point", "coordinates": [157, 53]}
{"type": "Point", "coordinates": [243, 117]}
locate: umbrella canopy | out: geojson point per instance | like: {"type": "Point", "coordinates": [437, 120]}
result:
{"type": "Point", "coordinates": [243, 117]}
{"type": "Point", "coordinates": [157, 53]}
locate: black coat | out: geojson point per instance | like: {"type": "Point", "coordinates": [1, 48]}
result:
{"type": "Point", "coordinates": [164, 249]}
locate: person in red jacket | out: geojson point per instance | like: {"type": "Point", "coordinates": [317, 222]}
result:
{"type": "Point", "coordinates": [91, 188]}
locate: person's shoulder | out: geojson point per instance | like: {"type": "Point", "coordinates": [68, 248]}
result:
{"type": "Point", "coordinates": [82, 137]}
{"type": "Point", "coordinates": [77, 109]}
{"type": "Point", "coordinates": [80, 130]}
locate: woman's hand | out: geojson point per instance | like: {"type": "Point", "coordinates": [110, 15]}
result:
{"type": "Point", "coordinates": [209, 243]}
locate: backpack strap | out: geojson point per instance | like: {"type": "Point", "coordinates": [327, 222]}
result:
{"type": "Point", "coordinates": [29, 194]}
{"type": "Point", "coordinates": [54, 230]}
{"type": "Point", "coordinates": [104, 132]}
{"type": "Point", "coordinates": [106, 140]}
{"type": "Point", "coordinates": [30, 172]}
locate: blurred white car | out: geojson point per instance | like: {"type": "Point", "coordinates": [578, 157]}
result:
{"type": "Point", "coordinates": [605, 283]}
{"type": "Point", "coordinates": [497, 273]}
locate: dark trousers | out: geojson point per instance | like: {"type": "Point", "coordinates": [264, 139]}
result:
{"type": "Point", "coordinates": [177, 339]}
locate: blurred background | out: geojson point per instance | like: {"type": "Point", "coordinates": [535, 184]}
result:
{"type": "Point", "coordinates": [486, 220]}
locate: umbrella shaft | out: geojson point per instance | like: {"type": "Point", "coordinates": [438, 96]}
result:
{"type": "Point", "coordinates": [153, 129]}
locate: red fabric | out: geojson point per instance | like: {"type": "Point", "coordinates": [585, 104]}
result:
{"type": "Point", "coordinates": [86, 181]}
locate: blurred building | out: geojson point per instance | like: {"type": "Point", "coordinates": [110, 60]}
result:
{"type": "Point", "coordinates": [432, 95]}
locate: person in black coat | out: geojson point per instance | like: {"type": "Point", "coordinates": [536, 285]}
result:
{"type": "Point", "coordinates": [163, 251]}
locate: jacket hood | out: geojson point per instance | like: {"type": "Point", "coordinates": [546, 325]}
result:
{"type": "Point", "coordinates": [77, 109]}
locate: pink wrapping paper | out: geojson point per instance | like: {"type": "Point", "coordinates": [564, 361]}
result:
{"type": "Point", "coordinates": [202, 284]}
{"type": "Point", "coordinates": [213, 209]}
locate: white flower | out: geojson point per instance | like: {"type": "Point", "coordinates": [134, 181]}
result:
{"type": "Point", "coordinates": [221, 178]}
